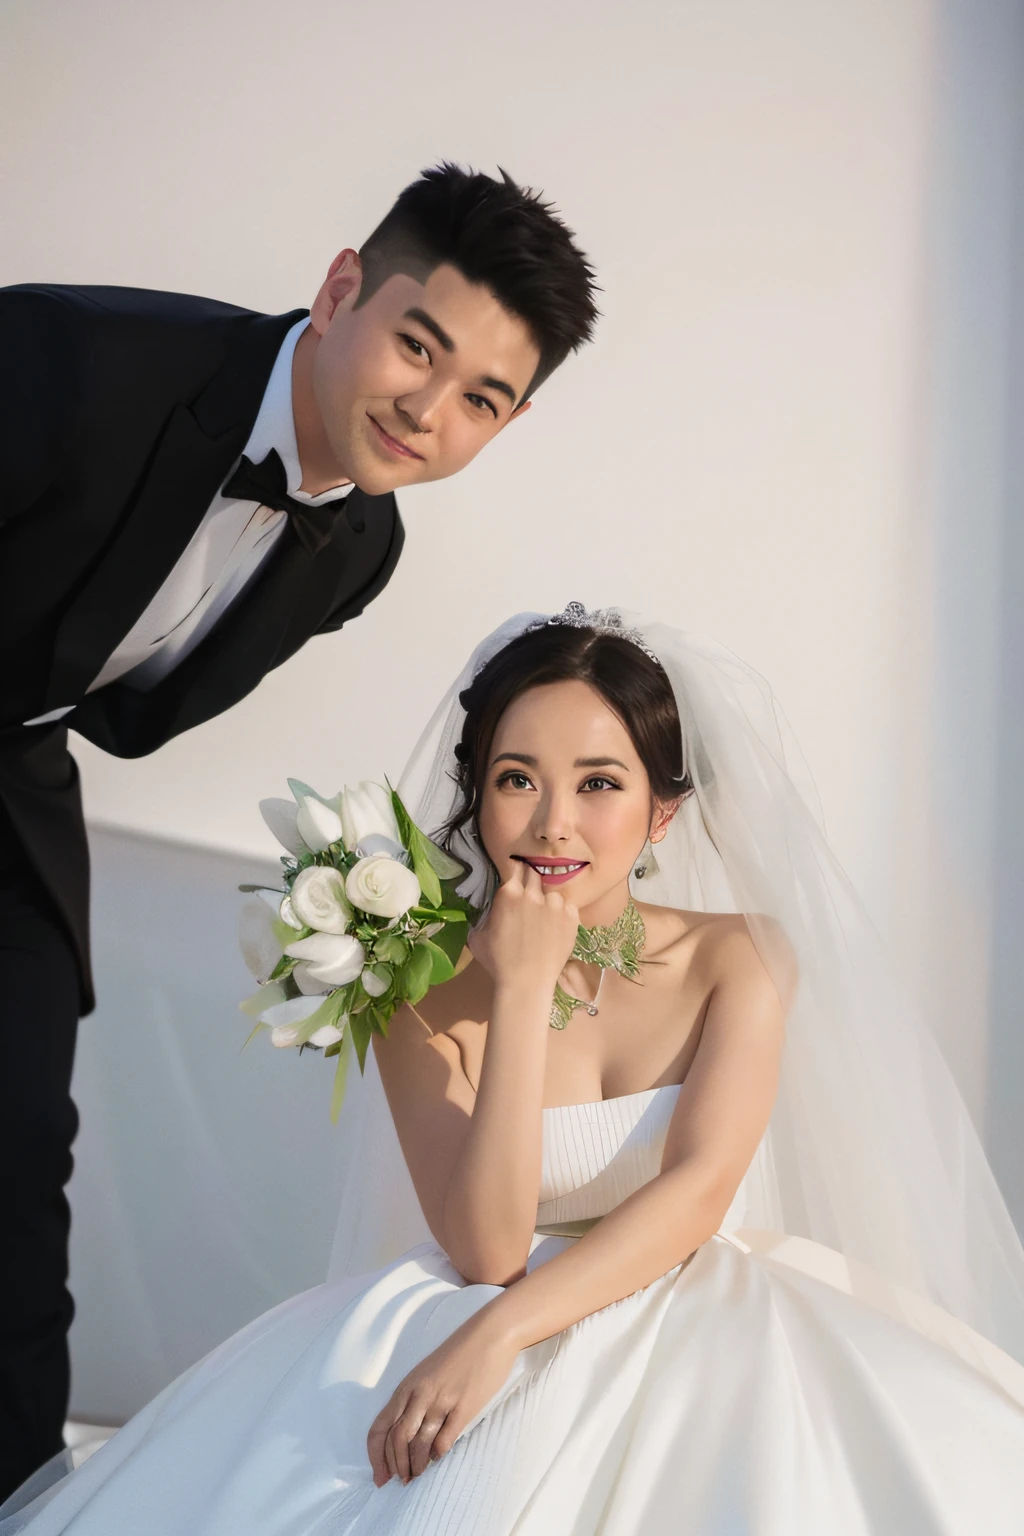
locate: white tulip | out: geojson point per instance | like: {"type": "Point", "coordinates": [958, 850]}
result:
{"type": "Point", "coordinates": [318, 825]}
{"type": "Point", "coordinates": [284, 1034]}
{"type": "Point", "coordinates": [368, 821]}
{"type": "Point", "coordinates": [334, 958]}
{"type": "Point", "coordinates": [260, 948]}
{"type": "Point", "coordinates": [382, 886]}
{"type": "Point", "coordinates": [319, 901]}
{"type": "Point", "coordinates": [307, 983]}
{"type": "Point", "coordinates": [280, 816]}
{"type": "Point", "coordinates": [372, 984]}
{"type": "Point", "coordinates": [291, 1012]}
{"type": "Point", "coordinates": [327, 1034]}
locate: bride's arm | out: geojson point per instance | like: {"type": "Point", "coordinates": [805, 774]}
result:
{"type": "Point", "coordinates": [476, 1159]}
{"type": "Point", "coordinates": [719, 1119]}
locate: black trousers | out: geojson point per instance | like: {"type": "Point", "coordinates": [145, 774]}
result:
{"type": "Point", "coordinates": [39, 1003]}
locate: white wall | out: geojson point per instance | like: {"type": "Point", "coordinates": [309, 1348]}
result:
{"type": "Point", "coordinates": [774, 197]}
{"type": "Point", "coordinates": [206, 1176]}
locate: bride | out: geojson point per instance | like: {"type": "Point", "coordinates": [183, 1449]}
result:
{"type": "Point", "coordinates": [672, 1220]}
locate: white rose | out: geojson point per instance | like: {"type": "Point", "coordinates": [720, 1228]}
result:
{"type": "Point", "coordinates": [318, 824]}
{"type": "Point", "coordinates": [382, 886]}
{"type": "Point", "coordinates": [280, 816]}
{"type": "Point", "coordinates": [260, 948]}
{"type": "Point", "coordinates": [368, 821]}
{"type": "Point", "coordinates": [318, 900]}
{"type": "Point", "coordinates": [331, 958]}
{"type": "Point", "coordinates": [286, 913]}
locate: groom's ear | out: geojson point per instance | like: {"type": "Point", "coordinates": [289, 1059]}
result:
{"type": "Point", "coordinates": [520, 410]}
{"type": "Point", "coordinates": [339, 290]}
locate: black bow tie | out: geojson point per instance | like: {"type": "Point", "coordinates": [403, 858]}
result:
{"type": "Point", "coordinates": [267, 484]}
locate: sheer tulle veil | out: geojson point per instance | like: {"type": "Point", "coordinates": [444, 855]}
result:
{"type": "Point", "coordinates": [870, 1150]}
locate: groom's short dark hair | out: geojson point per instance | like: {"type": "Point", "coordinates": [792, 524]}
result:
{"type": "Point", "coordinates": [496, 233]}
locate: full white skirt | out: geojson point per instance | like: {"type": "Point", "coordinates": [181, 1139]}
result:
{"type": "Point", "coordinates": [736, 1396]}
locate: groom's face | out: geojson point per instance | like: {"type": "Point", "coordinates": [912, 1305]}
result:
{"type": "Point", "coordinates": [413, 382]}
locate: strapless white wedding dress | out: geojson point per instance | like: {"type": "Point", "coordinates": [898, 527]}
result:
{"type": "Point", "coordinates": [748, 1392]}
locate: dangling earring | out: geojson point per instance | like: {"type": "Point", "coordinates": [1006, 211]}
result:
{"type": "Point", "coordinates": [646, 864]}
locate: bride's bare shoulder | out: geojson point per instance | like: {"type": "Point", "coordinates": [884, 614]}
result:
{"type": "Point", "coordinates": [449, 1023]}
{"type": "Point", "coordinates": [718, 945]}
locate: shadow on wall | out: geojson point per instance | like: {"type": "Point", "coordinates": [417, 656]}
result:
{"type": "Point", "coordinates": [205, 1176]}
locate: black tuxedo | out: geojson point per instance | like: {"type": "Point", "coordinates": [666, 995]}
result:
{"type": "Point", "coordinates": [123, 413]}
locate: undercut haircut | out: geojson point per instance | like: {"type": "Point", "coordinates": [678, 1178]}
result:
{"type": "Point", "coordinates": [498, 234]}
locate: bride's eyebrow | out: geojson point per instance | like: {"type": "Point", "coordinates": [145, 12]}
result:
{"type": "Point", "coordinates": [581, 762]}
{"type": "Point", "coordinates": [599, 762]}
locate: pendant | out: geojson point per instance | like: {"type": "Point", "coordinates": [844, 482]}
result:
{"type": "Point", "coordinates": [617, 947]}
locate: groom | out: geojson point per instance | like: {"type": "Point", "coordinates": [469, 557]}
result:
{"type": "Point", "coordinates": [191, 492]}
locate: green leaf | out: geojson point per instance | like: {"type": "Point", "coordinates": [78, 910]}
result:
{"type": "Point", "coordinates": [256, 1029]}
{"type": "Point", "coordinates": [451, 941]}
{"type": "Point", "coordinates": [283, 968]}
{"type": "Point", "coordinates": [430, 885]}
{"type": "Point", "coordinates": [386, 1007]}
{"type": "Point", "coordinates": [438, 915]}
{"type": "Point", "coordinates": [401, 816]}
{"type": "Point", "coordinates": [360, 1028]}
{"type": "Point", "coordinates": [414, 980]}
{"type": "Point", "coordinates": [391, 949]}
{"type": "Point", "coordinates": [441, 968]}
{"type": "Point", "coordinates": [344, 1053]}
{"type": "Point", "coordinates": [416, 845]}
{"type": "Point", "coordinates": [441, 861]}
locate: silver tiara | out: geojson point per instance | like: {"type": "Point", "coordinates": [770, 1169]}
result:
{"type": "Point", "coordinates": [606, 621]}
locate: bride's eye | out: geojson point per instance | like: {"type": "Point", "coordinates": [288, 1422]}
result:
{"type": "Point", "coordinates": [514, 779]}
{"type": "Point", "coordinates": [599, 781]}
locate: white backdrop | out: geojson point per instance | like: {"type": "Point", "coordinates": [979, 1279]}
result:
{"type": "Point", "coordinates": [793, 432]}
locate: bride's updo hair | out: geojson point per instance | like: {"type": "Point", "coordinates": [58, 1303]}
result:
{"type": "Point", "coordinates": [632, 684]}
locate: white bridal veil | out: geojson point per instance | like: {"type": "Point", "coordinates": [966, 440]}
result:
{"type": "Point", "coordinates": [870, 1150]}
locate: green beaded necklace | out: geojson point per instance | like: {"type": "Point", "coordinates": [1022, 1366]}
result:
{"type": "Point", "coordinates": [617, 947]}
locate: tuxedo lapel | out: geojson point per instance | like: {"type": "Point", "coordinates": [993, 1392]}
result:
{"type": "Point", "coordinates": [192, 459]}
{"type": "Point", "coordinates": [294, 595]}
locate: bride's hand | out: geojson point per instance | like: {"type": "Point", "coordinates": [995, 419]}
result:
{"type": "Point", "coordinates": [420, 1421]}
{"type": "Point", "coordinates": [528, 933]}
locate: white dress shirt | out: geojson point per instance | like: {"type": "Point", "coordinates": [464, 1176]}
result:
{"type": "Point", "coordinates": [223, 556]}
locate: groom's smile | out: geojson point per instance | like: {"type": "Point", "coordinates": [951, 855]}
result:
{"type": "Point", "coordinates": [392, 444]}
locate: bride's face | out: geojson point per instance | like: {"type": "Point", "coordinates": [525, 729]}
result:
{"type": "Point", "coordinates": [565, 790]}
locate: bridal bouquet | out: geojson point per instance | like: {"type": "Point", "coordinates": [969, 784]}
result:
{"type": "Point", "coordinates": [367, 917]}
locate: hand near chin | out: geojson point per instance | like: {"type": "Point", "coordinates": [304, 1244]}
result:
{"type": "Point", "coordinates": [528, 933]}
{"type": "Point", "coordinates": [432, 1406]}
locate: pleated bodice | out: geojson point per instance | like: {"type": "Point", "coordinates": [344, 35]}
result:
{"type": "Point", "coordinates": [597, 1154]}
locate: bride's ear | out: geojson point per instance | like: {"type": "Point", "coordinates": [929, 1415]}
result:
{"type": "Point", "coordinates": [661, 818]}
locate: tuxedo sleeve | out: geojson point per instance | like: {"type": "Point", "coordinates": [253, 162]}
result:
{"type": "Point", "coordinates": [43, 361]}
